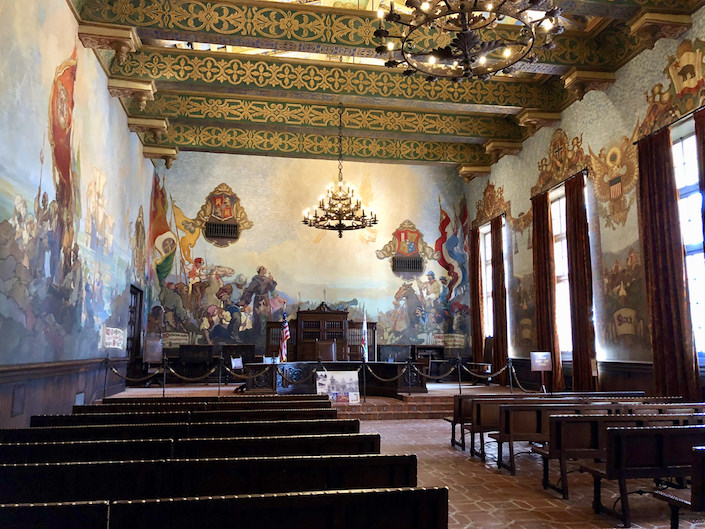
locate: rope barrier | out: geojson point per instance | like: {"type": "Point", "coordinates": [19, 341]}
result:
{"type": "Point", "coordinates": [246, 377]}
{"type": "Point", "coordinates": [130, 379]}
{"type": "Point", "coordinates": [195, 379]}
{"type": "Point", "coordinates": [439, 377]}
{"type": "Point", "coordinates": [479, 375]}
{"type": "Point", "coordinates": [387, 379]}
{"type": "Point", "coordinates": [516, 379]}
{"type": "Point", "coordinates": [293, 382]}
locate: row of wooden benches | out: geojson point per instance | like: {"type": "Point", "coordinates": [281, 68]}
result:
{"type": "Point", "coordinates": [191, 473]}
{"type": "Point", "coordinates": [614, 440]}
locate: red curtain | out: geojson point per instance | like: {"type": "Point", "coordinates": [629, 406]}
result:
{"type": "Point", "coordinates": [499, 297]}
{"type": "Point", "coordinates": [545, 286]}
{"type": "Point", "coordinates": [700, 137]}
{"type": "Point", "coordinates": [675, 363]}
{"type": "Point", "coordinates": [580, 281]}
{"type": "Point", "coordinates": [477, 328]}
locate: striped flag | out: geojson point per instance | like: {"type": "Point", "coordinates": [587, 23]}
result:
{"type": "Point", "coordinates": [285, 336]}
{"type": "Point", "coordinates": [363, 341]}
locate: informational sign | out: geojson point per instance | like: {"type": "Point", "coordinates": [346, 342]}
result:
{"type": "Point", "coordinates": [340, 386]}
{"type": "Point", "coordinates": [114, 338]}
{"type": "Point", "coordinates": [541, 361]}
{"type": "Point", "coordinates": [174, 339]}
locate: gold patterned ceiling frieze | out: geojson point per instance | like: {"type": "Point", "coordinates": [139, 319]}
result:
{"type": "Point", "coordinates": [278, 143]}
{"type": "Point", "coordinates": [242, 72]}
{"type": "Point", "coordinates": [333, 31]}
{"type": "Point", "coordinates": [285, 114]}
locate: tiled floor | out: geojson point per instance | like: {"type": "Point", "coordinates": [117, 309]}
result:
{"type": "Point", "coordinates": [481, 496]}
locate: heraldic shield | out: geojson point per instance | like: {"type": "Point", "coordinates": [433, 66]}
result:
{"type": "Point", "coordinates": [222, 214]}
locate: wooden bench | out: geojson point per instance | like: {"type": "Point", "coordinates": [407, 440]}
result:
{"type": "Point", "coordinates": [111, 450]}
{"type": "Point", "coordinates": [585, 437]}
{"type": "Point", "coordinates": [231, 404]}
{"type": "Point", "coordinates": [648, 452]}
{"type": "Point", "coordinates": [114, 480]}
{"type": "Point", "coordinates": [462, 406]}
{"type": "Point", "coordinates": [692, 498]}
{"type": "Point", "coordinates": [213, 398]}
{"type": "Point", "coordinates": [178, 430]}
{"type": "Point", "coordinates": [102, 450]}
{"type": "Point", "coordinates": [530, 423]}
{"type": "Point", "coordinates": [183, 416]}
{"type": "Point", "coordinates": [411, 508]}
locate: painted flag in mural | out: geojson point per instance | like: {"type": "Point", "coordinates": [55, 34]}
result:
{"type": "Point", "coordinates": [447, 244]}
{"type": "Point", "coordinates": [191, 232]}
{"type": "Point", "coordinates": [162, 241]}
{"type": "Point", "coordinates": [285, 336]}
{"type": "Point", "coordinates": [363, 342]}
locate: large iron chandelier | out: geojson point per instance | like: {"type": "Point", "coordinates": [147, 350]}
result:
{"type": "Point", "coordinates": [462, 39]}
{"type": "Point", "coordinates": [339, 209]}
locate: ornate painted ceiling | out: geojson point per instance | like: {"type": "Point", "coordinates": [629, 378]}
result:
{"type": "Point", "coordinates": [263, 77]}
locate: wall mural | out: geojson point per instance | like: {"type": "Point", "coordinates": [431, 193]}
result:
{"type": "Point", "coordinates": [65, 266]}
{"type": "Point", "coordinates": [209, 294]}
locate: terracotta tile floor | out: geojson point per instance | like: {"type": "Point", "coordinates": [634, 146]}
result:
{"type": "Point", "coordinates": [481, 496]}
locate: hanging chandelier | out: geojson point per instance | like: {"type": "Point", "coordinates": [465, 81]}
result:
{"type": "Point", "coordinates": [463, 39]}
{"type": "Point", "coordinates": [339, 209]}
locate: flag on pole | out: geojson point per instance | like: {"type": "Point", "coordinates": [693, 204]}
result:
{"type": "Point", "coordinates": [285, 336]}
{"type": "Point", "coordinates": [363, 342]}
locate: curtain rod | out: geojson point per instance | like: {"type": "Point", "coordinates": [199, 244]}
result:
{"type": "Point", "coordinates": [584, 172]}
{"type": "Point", "coordinates": [671, 124]}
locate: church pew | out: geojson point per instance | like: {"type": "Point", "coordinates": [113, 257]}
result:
{"type": "Point", "coordinates": [410, 508]}
{"type": "Point", "coordinates": [213, 398]}
{"type": "Point", "coordinates": [645, 452]}
{"type": "Point", "coordinates": [115, 480]}
{"type": "Point", "coordinates": [178, 430]}
{"type": "Point", "coordinates": [692, 498]}
{"type": "Point", "coordinates": [323, 444]}
{"type": "Point", "coordinates": [102, 450]}
{"type": "Point", "coordinates": [249, 404]}
{"type": "Point", "coordinates": [183, 416]}
{"type": "Point", "coordinates": [585, 437]}
{"type": "Point", "coordinates": [107, 450]}
{"type": "Point", "coordinates": [66, 515]}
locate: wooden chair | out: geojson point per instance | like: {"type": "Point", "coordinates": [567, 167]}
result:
{"type": "Point", "coordinates": [326, 350]}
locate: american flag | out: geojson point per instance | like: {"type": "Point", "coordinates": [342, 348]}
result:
{"type": "Point", "coordinates": [285, 336]}
{"type": "Point", "coordinates": [363, 342]}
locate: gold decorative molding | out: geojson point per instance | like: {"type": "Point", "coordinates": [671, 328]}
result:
{"type": "Point", "coordinates": [122, 40]}
{"type": "Point", "coordinates": [491, 205]}
{"type": "Point", "coordinates": [468, 172]}
{"type": "Point", "coordinates": [151, 126]}
{"type": "Point", "coordinates": [580, 82]}
{"type": "Point", "coordinates": [154, 152]}
{"type": "Point", "coordinates": [142, 91]}
{"type": "Point", "coordinates": [655, 26]}
{"type": "Point", "coordinates": [498, 148]}
{"type": "Point", "coordinates": [533, 119]}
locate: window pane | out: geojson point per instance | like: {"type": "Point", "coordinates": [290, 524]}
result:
{"type": "Point", "coordinates": [685, 161]}
{"type": "Point", "coordinates": [695, 266]}
{"type": "Point", "coordinates": [691, 220]}
{"type": "Point", "coordinates": [565, 337]}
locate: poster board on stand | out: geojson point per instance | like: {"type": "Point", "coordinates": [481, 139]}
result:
{"type": "Point", "coordinates": [340, 386]}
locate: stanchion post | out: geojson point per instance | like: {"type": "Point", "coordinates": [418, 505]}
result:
{"type": "Point", "coordinates": [220, 370]}
{"type": "Point", "coordinates": [459, 366]}
{"type": "Point", "coordinates": [164, 365]}
{"type": "Point", "coordinates": [511, 375]}
{"type": "Point", "coordinates": [364, 379]}
{"type": "Point", "coordinates": [105, 379]}
{"type": "Point", "coordinates": [409, 369]}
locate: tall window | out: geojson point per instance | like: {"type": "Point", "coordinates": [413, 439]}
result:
{"type": "Point", "coordinates": [486, 265]}
{"type": "Point", "coordinates": [685, 158]}
{"type": "Point", "coordinates": [560, 254]}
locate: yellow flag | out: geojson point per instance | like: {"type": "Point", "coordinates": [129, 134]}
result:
{"type": "Point", "coordinates": [191, 232]}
